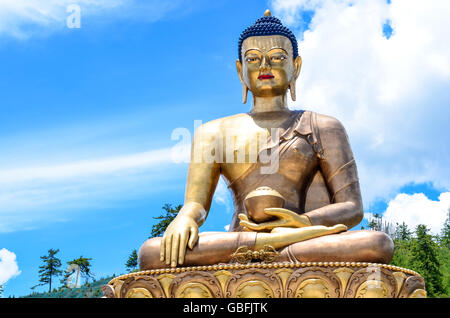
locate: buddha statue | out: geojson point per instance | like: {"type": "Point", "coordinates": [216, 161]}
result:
{"type": "Point", "coordinates": [301, 202]}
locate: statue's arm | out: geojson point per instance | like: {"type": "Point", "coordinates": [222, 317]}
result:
{"type": "Point", "coordinates": [203, 175]}
{"type": "Point", "coordinates": [340, 173]}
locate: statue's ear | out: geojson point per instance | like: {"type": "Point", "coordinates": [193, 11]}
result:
{"type": "Point", "coordinates": [239, 70]}
{"type": "Point", "coordinates": [241, 78]}
{"type": "Point", "coordinates": [297, 66]}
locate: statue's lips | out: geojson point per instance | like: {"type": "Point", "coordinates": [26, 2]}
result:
{"type": "Point", "coordinates": [265, 76]}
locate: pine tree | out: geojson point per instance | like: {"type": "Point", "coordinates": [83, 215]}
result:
{"type": "Point", "coordinates": [444, 239]}
{"type": "Point", "coordinates": [424, 256]}
{"type": "Point", "coordinates": [49, 269]}
{"type": "Point", "coordinates": [85, 267]}
{"type": "Point", "coordinates": [402, 232]}
{"type": "Point", "coordinates": [444, 253]}
{"type": "Point", "coordinates": [375, 222]}
{"type": "Point", "coordinates": [444, 258]}
{"type": "Point", "coordinates": [159, 228]}
{"type": "Point", "coordinates": [402, 246]}
{"type": "Point", "coordinates": [132, 261]}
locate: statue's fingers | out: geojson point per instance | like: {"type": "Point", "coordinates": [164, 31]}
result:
{"type": "Point", "coordinates": [251, 225]}
{"type": "Point", "coordinates": [175, 247]}
{"type": "Point", "coordinates": [193, 237]}
{"type": "Point", "coordinates": [279, 212]}
{"type": "Point", "coordinates": [168, 248]}
{"type": "Point", "coordinates": [182, 252]}
{"type": "Point", "coordinates": [242, 217]}
{"type": "Point", "coordinates": [262, 226]}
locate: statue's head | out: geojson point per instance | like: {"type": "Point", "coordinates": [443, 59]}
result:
{"type": "Point", "coordinates": [268, 61]}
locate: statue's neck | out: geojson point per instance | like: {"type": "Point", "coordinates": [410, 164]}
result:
{"type": "Point", "coordinates": [269, 104]}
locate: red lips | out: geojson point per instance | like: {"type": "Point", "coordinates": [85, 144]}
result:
{"type": "Point", "coordinates": [265, 76]}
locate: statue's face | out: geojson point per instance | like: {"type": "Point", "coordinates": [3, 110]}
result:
{"type": "Point", "coordinates": [268, 65]}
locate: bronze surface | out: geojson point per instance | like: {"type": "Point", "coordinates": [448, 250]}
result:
{"type": "Point", "coordinates": [260, 199]}
{"type": "Point", "coordinates": [315, 174]}
{"type": "Point", "coordinates": [271, 280]}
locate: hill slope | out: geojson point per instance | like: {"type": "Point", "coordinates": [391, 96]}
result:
{"type": "Point", "coordinates": [88, 290]}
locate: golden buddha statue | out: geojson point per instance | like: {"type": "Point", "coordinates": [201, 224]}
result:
{"type": "Point", "coordinates": [301, 203]}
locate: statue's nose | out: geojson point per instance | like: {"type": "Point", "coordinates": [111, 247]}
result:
{"type": "Point", "coordinates": [265, 64]}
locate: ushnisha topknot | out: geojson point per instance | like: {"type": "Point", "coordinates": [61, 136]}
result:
{"type": "Point", "coordinates": [267, 25]}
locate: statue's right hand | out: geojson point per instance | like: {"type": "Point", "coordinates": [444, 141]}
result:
{"type": "Point", "coordinates": [182, 231]}
{"type": "Point", "coordinates": [285, 218]}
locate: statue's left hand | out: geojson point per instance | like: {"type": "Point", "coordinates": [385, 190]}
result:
{"type": "Point", "coordinates": [286, 218]}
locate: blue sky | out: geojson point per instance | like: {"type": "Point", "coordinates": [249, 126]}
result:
{"type": "Point", "coordinates": [86, 117]}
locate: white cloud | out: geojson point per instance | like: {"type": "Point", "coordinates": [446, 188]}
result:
{"type": "Point", "coordinates": [34, 194]}
{"type": "Point", "coordinates": [227, 227]}
{"type": "Point", "coordinates": [17, 16]}
{"type": "Point", "coordinates": [392, 95]}
{"type": "Point", "coordinates": [86, 168]}
{"type": "Point", "coordinates": [23, 18]}
{"type": "Point", "coordinates": [417, 209]}
{"type": "Point", "coordinates": [222, 195]}
{"type": "Point", "coordinates": [8, 266]}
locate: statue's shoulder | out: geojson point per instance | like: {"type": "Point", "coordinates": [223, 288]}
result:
{"type": "Point", "coordinates": [325, 122]}
{"type": "Point", "coordinates": [218, 126]}
{"type": "Point", "coordinates": [329, 133]}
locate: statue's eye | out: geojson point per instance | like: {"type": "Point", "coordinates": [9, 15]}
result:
{"type": "Point", "coordinates": [251, 59]}
{"type": "Point", "coordinates": [278, 57]}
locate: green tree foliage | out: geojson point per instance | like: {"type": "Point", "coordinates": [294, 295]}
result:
{"type": "Point", "coordinates": [87, 290]}
{"type": "Point", "coordinates": [423, 254]}
{"type": "Point", "coordinates": [159, 228]}
{"type": "Point", "coordinates": [444, 239]}
{"type": "Point", "coordinates": [375, 222]}
{"type": "Point", "coordinates": [402, 244]}
{"type": "Point", "coordinates": [84, 267]}
{"type": "Point", "coordinates": [428, 255]}
{"type": "Point", "coordinates": [402, 232]}
{"type": "Point", "coordinates": [425, 260]}
{"type": "Point", "coordinates": [49, 269]}
{"type": "Point", "coordinates": [444, 253]}
{"type": "Point", "coordinates": [444, 258]}
{"type": "Point", "coordinates": [132, 261]}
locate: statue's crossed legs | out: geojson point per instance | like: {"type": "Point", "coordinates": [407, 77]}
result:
{"type": "Point", "coordinates": [309, 244]}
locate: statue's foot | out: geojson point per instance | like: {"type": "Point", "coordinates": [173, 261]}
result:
{"type": "Point", "coordinates": [348, 246]}
{"type": "Point", "coordinates": [318, 228]}
{"type": "Point", "coordinates": [281, 237]}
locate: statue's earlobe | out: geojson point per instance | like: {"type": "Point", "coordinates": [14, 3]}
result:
{"type": "Point", "coordinates": [297, 68]}
{"type": "Point", "coordinates": [244, 93]}
{"type": "Point", "coordinates": [244, 87]}
{"type": "Point", "coordinates": [292, 90]}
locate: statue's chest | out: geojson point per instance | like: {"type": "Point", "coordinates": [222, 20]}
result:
{"type": "Point", "coordinates": [244, 147]}
{"type": "Point", "coordinates": [293, 158]}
